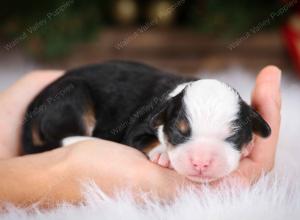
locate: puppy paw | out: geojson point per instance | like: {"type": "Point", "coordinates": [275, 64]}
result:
{"type": "Point", "coordinates": [161, 158]}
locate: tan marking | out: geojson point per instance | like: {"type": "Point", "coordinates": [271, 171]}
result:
{"type": "Point", "coordinates": [150, 146]}
{"type": "Point", "coordinates": [182, 126]}
{"type": "Point", "coordinates": [89, 119]}
{"type": "Point", "coordinates": [36, 139]}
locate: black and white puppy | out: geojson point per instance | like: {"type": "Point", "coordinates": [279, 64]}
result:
{"type": "Point", "coordinates": [203, 126]}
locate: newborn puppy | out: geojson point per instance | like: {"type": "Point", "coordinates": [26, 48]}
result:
{"type": "Point", "coordinates": [205, 129]}
{"type": "Point", "coordinates": [203, 126]}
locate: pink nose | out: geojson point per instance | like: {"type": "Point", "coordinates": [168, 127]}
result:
{"type": "Point", "coordinates": [201, 165]}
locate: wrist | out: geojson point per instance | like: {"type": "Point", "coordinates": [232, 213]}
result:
{"type": "Point", "coordinates": [50, 177]}
{"type": "Point", "coordinates": [65, 178]}
{"type": "Point", "coordinates": [35, 178]}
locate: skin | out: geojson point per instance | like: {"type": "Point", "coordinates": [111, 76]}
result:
{"type": "Point", "coordinates": [56, 176]}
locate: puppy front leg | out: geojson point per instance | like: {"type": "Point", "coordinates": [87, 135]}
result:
{"type": "Point", "coordinates": [160, 156]}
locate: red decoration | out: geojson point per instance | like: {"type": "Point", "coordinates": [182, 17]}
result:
{"type": "Point", "coordinates": [291, 34]}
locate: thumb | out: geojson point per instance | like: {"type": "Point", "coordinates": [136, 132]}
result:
{"type": "Point", "coordinates": [266, 94]}
{"type": "Point", "coordinates": [266, 99]}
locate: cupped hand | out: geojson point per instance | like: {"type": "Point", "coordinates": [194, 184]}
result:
{"type": "Point", "coordinates": [111, 164]}
{"type": "Point", "coordinates": [14, 102]}
{"type": "Point", "coordinates": [126, 165]}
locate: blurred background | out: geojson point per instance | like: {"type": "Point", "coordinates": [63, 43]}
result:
{"type": "Point", "coordinates": [185, 36]}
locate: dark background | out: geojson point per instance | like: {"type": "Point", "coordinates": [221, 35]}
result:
{"type": "Point", "coordinates": [179, 35]}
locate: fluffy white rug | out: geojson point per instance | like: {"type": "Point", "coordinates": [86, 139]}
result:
{"type": "Point", "coordinates": [276, 196]}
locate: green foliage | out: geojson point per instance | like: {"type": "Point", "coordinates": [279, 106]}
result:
{"type": "Point", "coordinates": [79, 20]}
{"type": "Point", "coordinates": [226, 18]}
{"type": "Point", "coordinates": [51, 27]}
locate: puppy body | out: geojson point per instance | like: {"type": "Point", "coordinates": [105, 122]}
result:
{"type": "Point", "coordinates": [202, 125]}
{"type": "Point", "coordinates": [120, 96]}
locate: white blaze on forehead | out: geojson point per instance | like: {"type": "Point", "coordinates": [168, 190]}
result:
{"type": "Point", "coordinates": [178, 89]}
{"type": "Point", "coordinates": [210, 106]}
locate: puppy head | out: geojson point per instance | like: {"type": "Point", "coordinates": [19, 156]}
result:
{"type": "Point", "coordinates": [207, 128]}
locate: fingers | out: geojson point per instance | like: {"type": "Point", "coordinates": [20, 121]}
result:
{"type": "Point", "coordinates": [23, 91]}
{"type": "Point", "coordinates": [14, 101]}
{"type": "Point", "coordinates": [266, 94]}
{"type": "Point", "coordinates": [266, 99]}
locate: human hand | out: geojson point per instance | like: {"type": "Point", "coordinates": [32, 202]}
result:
{"type": "Point", "coordinates": [266, 99]}
{"type": "Point", "coordinates": [131, 166]}
{"type": "Point", "coordinates": [110, 164]}
{"type": "Point", "coordinates": [56, 175]}
{"type": "Point", "coordinates": [61, 169]}
{"type": "Point", "coordinates": [114, 166]}
{"type": "Point", "coordinates": [14, 102]}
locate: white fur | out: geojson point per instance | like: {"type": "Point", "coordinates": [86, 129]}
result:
{"type": "Point", "coordinates": [161, 136]}
{"type": "Point", "coordinates": [75, 139]}
{"type": "Point", "coordinates": [178, 89]}
{"type": "Point", "coordinates": [226, 156]}
{"type": "Point", "coordinates": [210, 107]}
{"type": "Point", "coordinates": [274, 197]}
{"type": "Point", "coordinates": [158, 149]}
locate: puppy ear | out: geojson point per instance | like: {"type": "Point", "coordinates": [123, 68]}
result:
{"type": "Point", "coordinates": [158, 118]}
{"type": "Point", "coordinates": [167, 110]}
{"type": "Point", "coordinates": [259, 125]}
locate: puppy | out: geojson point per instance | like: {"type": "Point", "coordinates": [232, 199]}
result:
{"type": "Point", "coordinates": [203, 126]}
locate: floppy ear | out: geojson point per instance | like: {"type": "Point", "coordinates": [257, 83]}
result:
{"type": "Point", "coordinates": [159, 117]}
{"type": "Point", "coordinates": [259, 125]}
{"type": "Point", "coordinates": [168, 109]}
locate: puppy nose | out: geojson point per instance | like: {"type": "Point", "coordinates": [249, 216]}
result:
{"type": "Point", "coordinates": [201, 165]}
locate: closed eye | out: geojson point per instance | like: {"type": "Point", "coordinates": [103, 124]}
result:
{"type": "Point", "coordinates": [232, 138]}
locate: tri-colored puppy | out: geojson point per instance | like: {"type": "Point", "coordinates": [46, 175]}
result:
{"type": "Point", "coordinates": [203, 126]}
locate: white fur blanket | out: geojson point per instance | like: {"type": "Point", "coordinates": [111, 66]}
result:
{"type": "Point", "coordinates": [275, 196]}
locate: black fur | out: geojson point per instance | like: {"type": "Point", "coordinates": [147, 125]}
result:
{"type": "Point", "coordinates": [248, 121]}
{"type": "Point", "coordinates": [124, 96]}
{"type": "Point", "coordinates": [128, 101]}
{"type": "Point", "coordinates": [172, 112]}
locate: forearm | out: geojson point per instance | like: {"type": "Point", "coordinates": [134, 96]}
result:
{"type": "Point", "coordinates": [56, 176]}
{"type": "Point", "coordinates": [39, 178]}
